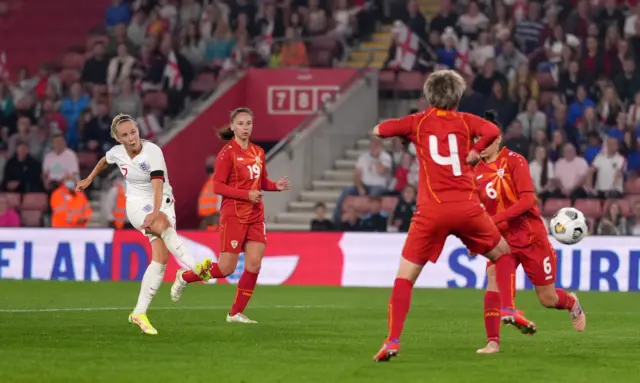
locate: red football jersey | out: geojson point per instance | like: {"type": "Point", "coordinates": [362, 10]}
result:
{"type": "Point", "coordinates": [443, 140]}
{"type": "Point", "coordinates": [237, 171]}
{"type": "Point", "coordinates": [501, 184]}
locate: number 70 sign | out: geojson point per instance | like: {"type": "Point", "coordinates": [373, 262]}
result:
{"type": "Point", "coordinates": [297, 100]}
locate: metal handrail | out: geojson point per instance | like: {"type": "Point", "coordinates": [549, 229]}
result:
{"type": "Point", "coordinates": [323, 109]}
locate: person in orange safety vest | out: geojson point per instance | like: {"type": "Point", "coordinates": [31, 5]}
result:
{"type": "Point", "coordinates": [208, 201]}
{"type": "Point", "coordinates": [69, 208]}
{"type": "Point", "coordinates": [114, 206]}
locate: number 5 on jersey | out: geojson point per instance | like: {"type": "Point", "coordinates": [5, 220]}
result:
{"type": "Point", "coordinates": [454, 158]}
{"type": "Point", "coordinates": [254, 171]}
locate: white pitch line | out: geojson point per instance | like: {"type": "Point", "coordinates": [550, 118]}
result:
{"type": "Point", "coordinates": [73, 309]}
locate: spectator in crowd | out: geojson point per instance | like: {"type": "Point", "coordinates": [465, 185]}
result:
{"type": "Point", "coordinates": [403, 213]}
{"type": "Point", "coordinates": [499, 101]}
{"type": "Point", "coordinates": [484, 81]}
{"type": "Point", "coordinates": [137, 29]}
{"type": "Point", "coordinates": [532, 119]}
{"type": "Point", "coordinates": [54, 120]}
{"type": "Point", "coordinates": [414, 19]}
{"type": "Point", "coordinates": [70, 209]}
{"type": "Point", "coordinates": [208, 201]}
{"type": "Point", "coordinates": [59, 164]}
{"type": "Point", "coordinates": [294, 52]}
{"type": "Point", "coordinates": [95, 68]}
{"type": "Point", "coordinates": [118, 12]}
{"type": "Point", "coordinates": [515, 139]}
{"type": "Point", "coordinates": [560, 124]}
{"type": "Point", "coordinates": [524, 78]}
{"type": "Point", "coordinates": [7, 108]}
{"type": "Point", "coordinates": [71, 109]}
{"type": "Point", "coordinates": [482, 51]}
{"type": "Point", "coordinates": [193, 45]}
{"type": "Point", "coordinates": [22, 172]}
{"type": "Point", "coordinates": [541, 170]}
{"type": "Point", "coordinates": [510, 59]}
{"type": "Point", "coordinates": [97, 132]}
{"type": "Point", "coordinates": [371, 176]}
{"type": "Point", "coordinates": [190, 11]}
{"type": "Point", "coordinates": [120, 68]}
{"type": "Point", "coordinates": [376, 220]}
{"type": "Point", "coordinates": [608, 171]}
{"type": "Point", "coordinates": [627, 83]}
{"type": "Point", "coordinates": [8, 216]}
{"type": "Point", "coordinates": [317, 21]}
{"type": "Point", "coordinates": [445, 18]}
{"type": "Point", "coordinates": [612, 222]}
{"type": "Point", "coordinates": [401, 173]}
{"type": "Point", "coordinates": [219, 47]}
{"type": "Point", "coordinates": [590, 123]}
{"type": "Point", "coordinates": [320, 222]}
{"type": "Point", "coordinates": [528, 31]}
{"type": "Point", "coordinates": [634, 221]}
{"type": "Point", "coordinates": [24, 135]}
{"type": "Point", "coordinates": [473, 21]}
{"type": "Point", "coordinates": [113, 207]}
{"type": "Point", "coordinates": [127, 101]}
{"type": "Point", "coordinates": [119, 38]}
{"type": "Point", "coordinates": [447, 54]}
{"type": "Point", "coordinates": [572, 172]}
{"type": "Point", "coordinates": [594, 145]}
{"type": "Point", "coordinates": [581, 102]}
{"type": "Point", "coordinates": [350, 220]}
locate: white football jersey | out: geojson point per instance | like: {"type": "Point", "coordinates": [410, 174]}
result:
{"type": "Point", "coordinates": [137, 170]}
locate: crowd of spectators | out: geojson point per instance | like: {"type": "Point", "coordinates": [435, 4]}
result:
{"type": "Point", "coordinates": [49, 120]}
{"type": "Point", "coordinates": [562, 76]}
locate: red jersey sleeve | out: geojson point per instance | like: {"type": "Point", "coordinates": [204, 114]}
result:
{"type": "Point", "coordinates": [519, 169]}
{"type": "Point", "coordinates": [485, 130]}
{"type": "Point", "coordinates": [266, 183]}
{"type": "Point", "coordinates": [397, 127]}
{"type": "Point", "coordinates": [222, 170]}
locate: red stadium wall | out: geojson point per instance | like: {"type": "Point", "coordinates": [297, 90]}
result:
{"type": "Point", "coordinates": [186, 153]}
{"type": "Point", "coordinates": [280, 100]}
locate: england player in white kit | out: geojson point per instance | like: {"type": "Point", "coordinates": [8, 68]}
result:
{"type": "Point", "coordinates": [150, 208]}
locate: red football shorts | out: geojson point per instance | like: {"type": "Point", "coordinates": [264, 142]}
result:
{"type": "Point", "coordinates": [431, 225]}
{"type": "Point", "coordinates": [538, 260]}
{"type": "Point", "coordinates": [234, 234]}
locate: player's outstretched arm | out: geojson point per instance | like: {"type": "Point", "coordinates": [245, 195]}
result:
{"type": "Point", "coordinates": [99, 168]}
{"type": "Point", "coordinates": [396, 127]}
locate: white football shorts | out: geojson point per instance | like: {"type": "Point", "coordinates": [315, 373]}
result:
{"type": "Point", "coordinates": [137, 211]}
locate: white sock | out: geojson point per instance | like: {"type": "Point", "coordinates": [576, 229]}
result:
{"type": "Point", "coordinates": [151, 282]}
{"type": "Point", "coordinates": [175, 246]}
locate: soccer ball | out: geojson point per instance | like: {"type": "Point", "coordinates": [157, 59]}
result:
{"type": "Point", "coordinates": [568, 226]}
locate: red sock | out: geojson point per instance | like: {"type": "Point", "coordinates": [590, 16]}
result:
{"type": "Point", "coordinates": [565, 300]}
{"type": "Point", "coordinates": [246, 284]}
{"type": "Point", "coordinates": [190, 277]}
{"type": "Point", "coordinates": [399, 306]}
{"type": "Point", "coordinates": [506, 279]}
{"type": "Point", "coordinates": [492, 316]}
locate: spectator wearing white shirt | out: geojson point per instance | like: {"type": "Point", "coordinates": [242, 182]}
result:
{"type": "Point", "coordinates": [371, 176]}
{"type": "Point", "coordinates": [472, 22]}
{"type": "Point", "coordinates": [541, 170]}
{"type": "Point", "coordinates": [59, 164]}
{"type": "Point", "coordinates": [532, 119]}
{"type": "Point", "coordinates": [571, 171]}
{"type": "Point", "coordinates": [607, 171]}
{"type": "Point", "coordinates": [630, 24]}
{"type": "Point", "coordinates": [482, 51]}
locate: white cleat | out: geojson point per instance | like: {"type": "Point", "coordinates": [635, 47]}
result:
{"type": "Point", "coordinates": [239, 318]}
{"type": "Point", "coordinates": [178, 285]}
{"type": "Point", "coordinates": [490, 348]}
{"type": "Point", "coordinates": [578, 317]}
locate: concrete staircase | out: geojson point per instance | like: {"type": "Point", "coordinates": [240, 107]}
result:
{"type": "Point", "coordinates": [327, 190]}
{"type": "Point", "coordinates": [379, 45]}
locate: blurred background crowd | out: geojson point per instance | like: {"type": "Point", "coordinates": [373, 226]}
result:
{"type": "Point", "coordinates": [561, 74]}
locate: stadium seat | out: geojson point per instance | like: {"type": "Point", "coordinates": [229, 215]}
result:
{"type": "Point", "coordinates": [386, 79]}
{"type": "Point", "coordinates": [72, 60]}
{"type": "Point", "coordinates": [13, 199]}
{"type": "Point", "coordinates": [204, 82]}
{"type": "Point", "coordinates": [589, 207]}
{"type": "Point", "coordinates": [625, 206]}
{"type": "Point", "coordinates": [409, 81]}
{"type": "Point", "coordinates": [632, 186]}
{"type": "Point", "coordinates": [552, 206]}
{"type": "Point", "coordinates": [35, 201]}
{"type": "Point", "coordinates": [31, 218]}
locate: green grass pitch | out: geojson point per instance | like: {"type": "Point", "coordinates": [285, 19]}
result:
{"type": "Point", "coordinates": [305, 334]}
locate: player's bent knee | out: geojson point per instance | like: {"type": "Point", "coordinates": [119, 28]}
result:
{"type": "Point", "coordinates": [159, 251]}
{"type": "Point", "coordinates": [227, 263]}
{"type": "Point", "coordinates": [501, 249]}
